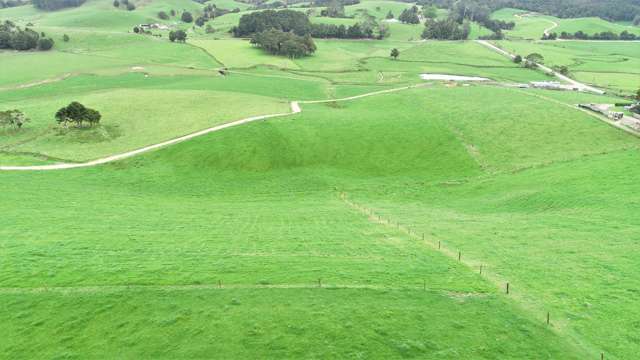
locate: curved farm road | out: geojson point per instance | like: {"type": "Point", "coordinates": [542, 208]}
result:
{"type": "Point", "coordinates": [295, 108]}
{"type": "Point", "coordinates": [578, 85]}
{"type": "Point", "coordinates": [553, 26]}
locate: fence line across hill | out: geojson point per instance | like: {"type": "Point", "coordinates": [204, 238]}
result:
{"type": "Point", "coordinates": [453, 254]}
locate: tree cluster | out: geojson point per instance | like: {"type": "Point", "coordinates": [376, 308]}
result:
{"type": "Point", "coordinates": [288, 44]}
{"type": "Point", "coordinates": [446, 29]}
{"type": "Point", "coordinates": [410, 16]}
{"type": "Point", "coordinates": [56, 4]}
{"type": "Point", "coordinates": [13, 37]}
{"type": "Point", "coordinates": [13, 118]}
{"type": "Point", "coordinates": [580, 35]}
{"type": "Point", "coordinates": [77, 114]}
{"type": "Point", "coordinates": [335, 9]}
{"type": "Point", "coordinates": [11, 3]}
{"type": "Point", "coordinates": [283, 20]}
{"type": "Point", "coordinates": [177, 35]}
{"type": "Point", "coordinates": [636, 20]}
{"type": "Point", "coordinates": [129, 6]}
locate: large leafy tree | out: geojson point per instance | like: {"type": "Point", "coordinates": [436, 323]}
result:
{"type": "Point", "coordinates": [77, 113]}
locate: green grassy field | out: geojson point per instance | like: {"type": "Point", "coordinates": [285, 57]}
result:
{"type": "Point", "coordinates": [386, 226]}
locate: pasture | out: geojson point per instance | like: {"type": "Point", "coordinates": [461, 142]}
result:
{"type": "Point", "coordinates": [383, 226]}
{"type": "Point", "coordinates": [613, 65]}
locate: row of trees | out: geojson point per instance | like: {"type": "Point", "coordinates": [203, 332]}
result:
{"type": "Point", "coordinates": [580, 35]}
{"type": "Point", "coordinates": [362, 30]}
{"type": "Point", "coordinates": [446, 29]}
{"type": "Point", "coordinates": [288, 44]}
{"type": "Point", "coordinates": [13, 37]}
{"type": "Point", "coordinates": [77, 114]}
{"type": "Point", "coordinates": [56, 4]}
{"type": "Point", "coordinates": [13, 118]}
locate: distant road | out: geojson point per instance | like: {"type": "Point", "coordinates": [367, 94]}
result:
{"type": "Point", "coordinates": [578, 85]}
{"type": "Point", "coordinates": [295, 108]}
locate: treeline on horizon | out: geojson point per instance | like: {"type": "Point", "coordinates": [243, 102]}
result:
{"type": "Point", "coordinates": [580, 35]}
{"type": "Point", "coordinates": [56, 4]}
{"type": "Point", "coordinates": [614, 10]}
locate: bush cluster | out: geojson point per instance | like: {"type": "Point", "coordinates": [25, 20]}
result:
{"type": "Point", "coordinates": [447, 29]}
{"type": "Point", "coordinates": [13, 37]}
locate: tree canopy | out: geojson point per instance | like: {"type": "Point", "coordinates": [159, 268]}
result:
{"type": "Point", "coordinates": [78, 114]}
{"type": "Point", "coordinates": [284, 43]}
{"type": "Point", "coordinates": [283, 20]}
{"type": "Point", "coordinates": [178, 35]}
{"type": "Point", "coordinates": [186, 17]}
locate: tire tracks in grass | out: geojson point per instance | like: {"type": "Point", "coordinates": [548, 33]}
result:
{"type": "Point", "coordinates": [223, 286]}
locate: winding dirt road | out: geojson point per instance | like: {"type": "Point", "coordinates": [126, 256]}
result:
{"type": "Point", "coordinates": [295, 108]}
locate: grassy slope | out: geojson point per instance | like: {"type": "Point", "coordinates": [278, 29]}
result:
{"type": "Point", "coordinates": [252, 206]}
{"type": "Point", "coordinates": [533, 26]}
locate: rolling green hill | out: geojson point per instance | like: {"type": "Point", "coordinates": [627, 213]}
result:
{"type": "Point", "coordinates": [382, 226]}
